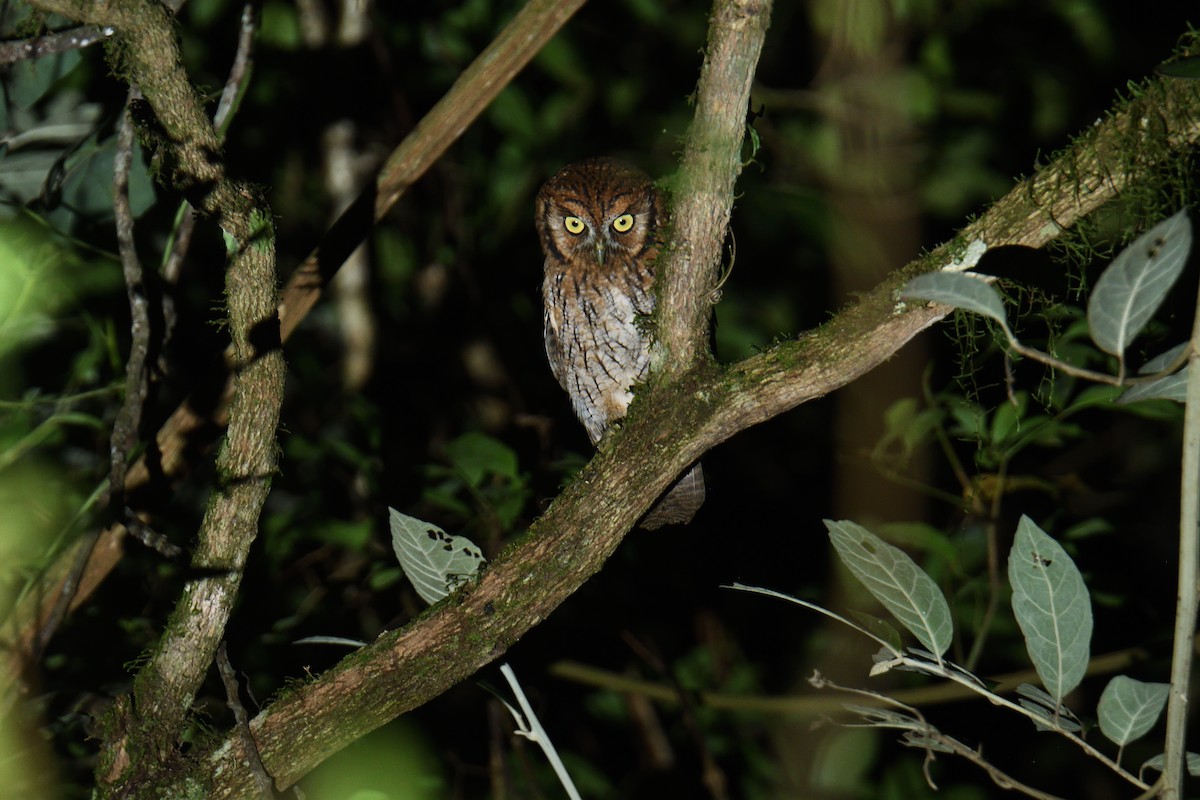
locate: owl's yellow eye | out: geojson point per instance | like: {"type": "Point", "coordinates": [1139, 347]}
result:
{"type": "Point", "coordinates": [623, 223]}
{"type": "Point", "coordinates": [574, 225]}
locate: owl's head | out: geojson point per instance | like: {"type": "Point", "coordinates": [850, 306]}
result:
{"type": "Point", "coordinates": [596, 209]}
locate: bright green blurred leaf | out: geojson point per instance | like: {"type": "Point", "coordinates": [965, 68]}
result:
{"type": "Point", "coordinates": [477, 455]}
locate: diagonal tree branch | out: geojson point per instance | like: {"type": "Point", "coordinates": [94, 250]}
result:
{"type": "Point", "coordinates": [705, 406]}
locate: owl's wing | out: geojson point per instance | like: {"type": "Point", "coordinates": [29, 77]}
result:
{"type": "Point", "coordinates": [550, 323]}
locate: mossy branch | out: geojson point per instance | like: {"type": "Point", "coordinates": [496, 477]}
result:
{"type": "Point", "coordinates": [702, 192]}
{"type": "Point", "coordinates": [146, 54]}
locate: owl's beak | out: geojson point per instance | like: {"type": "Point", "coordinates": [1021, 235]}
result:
{"type": "Point", "coordinates": [601, 250]}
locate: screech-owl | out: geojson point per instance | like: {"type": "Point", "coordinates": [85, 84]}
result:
{"type": "Point", "coordinates": [598, 224]}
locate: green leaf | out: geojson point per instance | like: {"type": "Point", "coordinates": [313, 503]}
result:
{"type": "Point", "coordinates": [351, 535]}
{"type": "Point", "coordinates": [1007, 419]}
{"type": "Point", "coordinates": [436, 562]}
{"type": "Point", "coordinates": [1129, 708]}
{"type": "Point", "coordinates": [1163, 360]}
{"type": "Point", "coordinates": [1192, 761]}
{"type": "Point", "coordinates": [1136, 283]}
{"type": "Point", "coordinates": [907, 428]}
{"type": "Point", "coordinates": [476, 455]}
{"type": "Point", "coordinates": [897, 582]}
{"type": "Point", "coordinates": [965, 290]}
{"type": "Point", "coordinates": [879, 627]}
{"type": "Point", "coordinates": [30, 79]}
{"type": "Point", "coordinates": [1168, 387]}
{"type": "Point", "coordinates": [1052, 607]}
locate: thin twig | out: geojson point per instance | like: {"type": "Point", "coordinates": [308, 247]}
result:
{"type": "Point", "coordinates": [995, 585]}
{"type": "Point", "coordinates": [266, 786]}
{"type": "Point", "coordinates": [66, 595]}
{"type": "Point", "coordinates": [940, 671]}
{"type": "Point", "coordinates": [1153, 791]}
{"type": "Point", "coordinates": [239, 73]}
{"type": "Point", "coordinates": [531, 728]}
{"type": "Point", "coordinates": [51, 43]}
{"type": "Point", "coordinates": [924, 731]}
{"type": "Point", "coordinates": [125, 427]}
{"type": "Point", "coordinates": [129, 417]}
{"type": "Point", "coordinates": [1182, 651]}
{"type": "Point", "coordinates": [802, 705]}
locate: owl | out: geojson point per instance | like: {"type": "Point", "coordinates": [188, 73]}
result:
{"type": "Point", "coordinates": [597, 221]}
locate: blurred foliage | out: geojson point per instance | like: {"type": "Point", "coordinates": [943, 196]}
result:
{"type": "Point", "coordinates": [462, 423]}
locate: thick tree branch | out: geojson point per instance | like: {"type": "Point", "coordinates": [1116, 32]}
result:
{"type": "Point", "coordinates": [702, 197]}
{"type": "Point", "coordinates": [704, 407]}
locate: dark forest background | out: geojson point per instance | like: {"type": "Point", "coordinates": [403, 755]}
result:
{"type": "Point", "coordinates": [879, 128]}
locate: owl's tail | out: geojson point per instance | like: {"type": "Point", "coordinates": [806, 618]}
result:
{"type": "Point", "coordinates": [680, 503]}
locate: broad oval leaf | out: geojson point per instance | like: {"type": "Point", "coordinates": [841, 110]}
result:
{"type": "Point", "coordinates": [1136, 283]}
{"type": "Point", "coordinates": [1168, 387]}
{"type": "Point", "coordinates": [1129, 708]}
{"type": "Point", "coordinates": [1052, 607]}
{"type": "Point", "coordinates": [905, 590]}
{"type": "Point", "coordinates": [436, 562]}
{"type": "Point", "coordinates": [965, 290]}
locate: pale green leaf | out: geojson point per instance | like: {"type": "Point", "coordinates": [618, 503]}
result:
{"type": "Point", "coordinates": [1129, 708]}
{"type": "Point", "coordinates": [1163, 360]}
{"type": "Point", "coordinates": [1052, 607]}
{"type": "Point", "coordinates": [964, 290]}
{"type": "Point", "coordinates": [1133, 287]}
{"type": "Point", "coordinates": [1168, 387]}
{"type": "Point", "coordinates": [1192, 762]}
{"type": "Point", "coordinates": [880, 627]}
{"type": "Point", "coordinates": [897, 582]}
{"type": "Point", "coordinates": [436, 562]}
